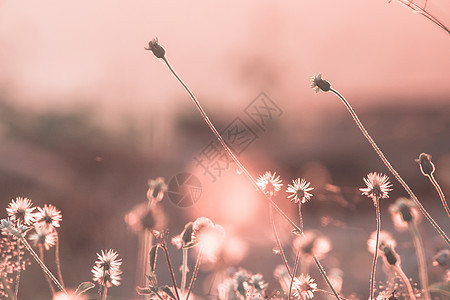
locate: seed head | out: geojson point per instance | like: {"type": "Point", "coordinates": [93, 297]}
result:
{"type": "Point", "coordinates": [317, 83]}
{"type": "Point", "coordinates": [426, 165]}
{"type": "Point", "coordinates": [157, 50]}
{"type": "Point", "coordinates": [404, 211]}
{"type": "Point", "coordinates": [44, 237]}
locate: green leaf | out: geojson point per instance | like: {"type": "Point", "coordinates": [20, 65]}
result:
{"type": "Point", "coordinates": [83, 287]}
{"type": "Point", "coordinates": [153, 255]}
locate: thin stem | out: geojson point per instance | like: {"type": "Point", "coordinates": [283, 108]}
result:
{"type": "Point", "coordinates": [194, 274]}
{"type": "Point", "coordinates": [421, 261]}
{"type": "Point", "coordinates": [236, 160]}
{"type": "Point", "coordinates": [389, 166]}
{"type": "Point", "coordinates": [377, 243]}
{"type": "Point", "coordinates": [16, 292]}
{"type": "Point", "coordinates": [329, 293]}
{"type": "Point", "coordinates": [405, 280]}
{"type": "Point", "coordinates": [300, 217]}
{"type": "Point", "coordinates": [297, 256]}
{"type": "Point", "coordinates": [172, 275]}
{"type": "Point", "coordinates": [105, 293]}
{"type": "Point", "coordinates": [58, 262]}
{"type": "Point", "coordinates": [227, 149]}
{"type": "Point", "coordinates": [184, 269]}
{"type": "Point", "coordinates": [322, 271]}
{"type": "Point", "coordinates": [441, 194]}
{"type": "Point", "coordinates": [49, 282]}
{"type": "Point", "coordinates": [42, 265]}
{"type": "Point", "coordinates": [277, 238]}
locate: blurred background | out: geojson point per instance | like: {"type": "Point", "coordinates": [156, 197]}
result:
{"type": "Point", "coordinates": [87, 116]}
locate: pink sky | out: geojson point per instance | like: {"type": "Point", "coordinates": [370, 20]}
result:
{"type": "Point", "coordinates": [91, 52]}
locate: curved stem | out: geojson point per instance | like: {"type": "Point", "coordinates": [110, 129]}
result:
{"type": "Point", "coordinates": [389, 166]}
{"type": "Point", "coordinates": [441, 194]}
{"type": "Point", "coordinates": [238, 163]}
{"type": "Point", "coordinates": [58, 263]}
{"type": "Point", "coordinates": [277, 238]}
{"type": "Point", "coordinates": [405, 280]}
{"type": "Point", "coordinates": [421, 261]}
{"type": "Point", "coordinates": [377, 242]}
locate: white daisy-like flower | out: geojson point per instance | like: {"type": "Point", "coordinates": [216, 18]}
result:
{"type": "Point", "coordinates": [47, 217]}
{"type": "Point", "coordinates": [106, 270]}
{"type": "Point", "coordinates": [304, 287]}
{"type": "Point", "coordinates": [269, 183]}
{"type": "Point", "coordinates": [299, 190]}
{"type": "Point", "coordinates": [21, 211]}
{"type": "Point", "coordinates": [378, 186]}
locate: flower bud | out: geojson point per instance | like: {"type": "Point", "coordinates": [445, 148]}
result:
{"type": "Point", "coordinates": [318, 83]}
{"type": "Point", "coordinates": [426, 166]}
{"type": "Point", "coordinates": [157, 50]}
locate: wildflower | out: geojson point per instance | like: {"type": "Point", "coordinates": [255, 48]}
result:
{"type": "Point", "coordinates": [426, 165]}
{"type": "Point", "coordinates": [141, 217]}
{"type": "Point", "coordinates": [201, 225]}
{"type": "Point", "coordinates": [47, 217]}
{"type": "Point", "coordinates": [404, 211]}
{"type": "Point", "coordinates": [304, 287]}
{"type": "Point", "coordinates": [300, 190]}
{"type": "Point", "coordinates": [317, 83]}
{"type": "Point", "coordinates": [21, 211]}
{"type": "Point", "coordinates": [44, 237]}
{"type": "Point", "coordinates": [106, 270]}
{"type": "Point", "coordinates": [211, 237]}
{"type": "Point", "coordinates": [378, 186]}
{"type": "Point", "coordinates": [156, 189]}
{"type": "Point", "coordinates": [312, 243]}
{"type": "Point", "coordinates": [269, 183]}
{"type": "Point", "coordinates": [157, 50]}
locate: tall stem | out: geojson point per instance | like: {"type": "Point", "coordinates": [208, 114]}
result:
{"type": "Point", "coordinates": [405, 280]}
{"type": "Point", "coordinates": [441, 194]}
{"type": "Point", "coordinates": [389, 166]}
{"type": "Point", "coordinates": [58, 263]}
{"type": "Point", "coordinates": [277, 238]}
{"type": "Point", "coordinates": [300, 217]}
{"type": "Point", "coordinates": [297, 256]}
{"type": "Point", "coordinates": [377, 242]}
{"type": "Point", "coordinates": [421, 261]}
{"type": "Point", "coordinates": [42, 265]}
